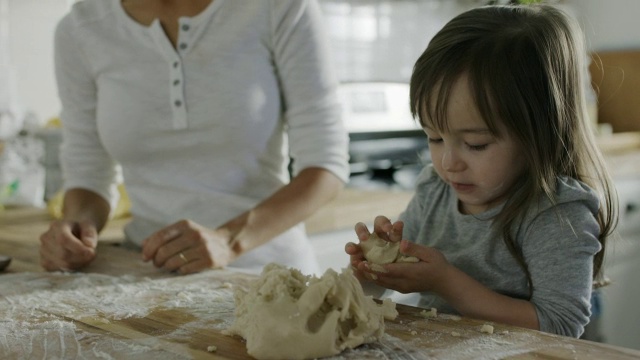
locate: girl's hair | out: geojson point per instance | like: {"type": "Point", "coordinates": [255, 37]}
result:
{"type": "Point", "coordinates": [526, 70]}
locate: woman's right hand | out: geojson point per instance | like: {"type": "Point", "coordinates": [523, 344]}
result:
{"type": "Point", "coordinates": [68, 245]}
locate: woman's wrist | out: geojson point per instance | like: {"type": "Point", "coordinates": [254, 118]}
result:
{"type": "Point", "coordinates": [239, 233]}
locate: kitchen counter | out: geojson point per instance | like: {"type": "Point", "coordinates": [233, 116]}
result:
{"type": "Point", "coordinates": [121, 307]}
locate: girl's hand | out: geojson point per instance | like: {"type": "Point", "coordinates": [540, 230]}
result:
{"type": "Point", "coordinates": [68, 245]}
{"type": "Point", "coordinates": [431, 273]}
{"type": "Point", "coordinates": [188, 247]}
{"type": "Point", "coordinates": [383, 227]}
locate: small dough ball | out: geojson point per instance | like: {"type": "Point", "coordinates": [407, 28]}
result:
{"type": "Point", "coordinates": [487, 329]}
{"type": "Point", "coordinates": [381, 252]}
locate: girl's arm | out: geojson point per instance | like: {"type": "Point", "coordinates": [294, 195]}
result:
{"type": "Point", "coordinates": [468, 296]}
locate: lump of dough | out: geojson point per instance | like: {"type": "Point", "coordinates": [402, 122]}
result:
{"type": "Point", "coordinates": [379, 251]}
{"type": "Point", "coordinates": [287, 315]}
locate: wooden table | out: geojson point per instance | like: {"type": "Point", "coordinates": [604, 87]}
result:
{"type": "Point", "coordinates": [120, 307]}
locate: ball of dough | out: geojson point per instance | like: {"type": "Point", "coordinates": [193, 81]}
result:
{"type": "Point", "coordinates": [287, 315]}
{"type": "Point", "coordinates": [379, 251]}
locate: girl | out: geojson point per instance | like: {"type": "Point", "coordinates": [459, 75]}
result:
{"type": "Point", "coordinates": [510, 220]}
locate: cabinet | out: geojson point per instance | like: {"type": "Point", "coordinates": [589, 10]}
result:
{"type": "Point", "coordinates": [620, 317]}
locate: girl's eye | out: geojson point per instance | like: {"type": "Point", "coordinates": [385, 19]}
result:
{"type": "Point", "coordinates": [434, 140]}
{"type": "Point", "coordinates": [477, 147]}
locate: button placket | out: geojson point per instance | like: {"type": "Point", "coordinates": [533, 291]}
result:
{"type": "Point", "coordinates": [184, 35]}
{"type": "Point", "coordinates": [177, 82]}
{"type": "Point", "coordinates": [177, 95]}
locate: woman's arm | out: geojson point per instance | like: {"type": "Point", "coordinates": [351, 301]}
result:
{"type": "Point", "coordinates": [188, 247]}
{"type": "Point", "coordinates": [290, 205]}
{"type": "Point", "coordinates": [82, 205]}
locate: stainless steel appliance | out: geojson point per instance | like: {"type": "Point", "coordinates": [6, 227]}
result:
{"type": "Point", "coordinates": [387, 146]}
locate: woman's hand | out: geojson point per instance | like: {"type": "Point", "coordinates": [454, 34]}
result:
{"type": "Point", "coordinates": [188, 247]}
{"type": "Point", "coordinates": [68, 245]}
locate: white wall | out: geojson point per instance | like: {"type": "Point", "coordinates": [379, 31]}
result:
{"type": "Point", "coordinates": [610, 24]}
{"type": "Point", "coordinates": [31, 27]}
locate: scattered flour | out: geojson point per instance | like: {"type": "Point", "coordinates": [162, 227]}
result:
{"type": "Point", "coordinates": [37, 313]}
{"type": "Point", "coordinates": [39, 309]}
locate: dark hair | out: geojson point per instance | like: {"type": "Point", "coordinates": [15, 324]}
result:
{"type": "Point", "coordinates": [526, 70]}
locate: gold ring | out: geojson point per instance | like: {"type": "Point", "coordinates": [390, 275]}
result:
{"type": "Point", "coordinates": [184, 258]}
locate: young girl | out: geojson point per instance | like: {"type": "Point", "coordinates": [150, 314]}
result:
{"type": "Point", "coordinates": [510, 220]}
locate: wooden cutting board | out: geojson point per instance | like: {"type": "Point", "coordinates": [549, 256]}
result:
{"type": "Point", "coordinates": [121, 307]}
{"type": "Point", "coordinates": [96, 315]}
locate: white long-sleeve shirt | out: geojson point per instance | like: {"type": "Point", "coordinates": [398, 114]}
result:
{"type": "Point", "coordinates": [204, 130]}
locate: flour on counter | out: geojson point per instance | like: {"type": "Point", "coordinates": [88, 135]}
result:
{"type": "Point", "coordinates": [39, 310]}
{"type": "Point", "coordinates": [43, 315]}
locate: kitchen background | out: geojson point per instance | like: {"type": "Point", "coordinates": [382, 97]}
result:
{"type": "Point", "coordinates": [375, 45]}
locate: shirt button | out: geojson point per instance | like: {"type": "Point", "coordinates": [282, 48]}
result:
{"type": "Point", "coordinates": [183, 46]}
{"type": "Point", "coordinates": [186, 27]}
{"type": "Point", "coordinates": [175, 64]}
{"type": "Point", "coordinates": [176, 82]}
{"type": "Point", "coordinates": [178, 103]}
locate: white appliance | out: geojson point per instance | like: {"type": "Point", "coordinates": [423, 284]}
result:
{"type": "Point", "coordinates": [376, 107]}
{"type": "Point", "coordinates": [620, 317]}
{"type": "Point", "coordinates": [383, 135]}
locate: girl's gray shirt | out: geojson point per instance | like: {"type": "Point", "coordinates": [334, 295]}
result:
{"type": "Point", "coordinates": [558, 243]}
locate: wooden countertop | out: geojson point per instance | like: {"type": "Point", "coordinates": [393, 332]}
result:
{"type": "Point", "coordinates": [120, 307]}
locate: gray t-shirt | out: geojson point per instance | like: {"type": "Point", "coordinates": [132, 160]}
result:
{"type": "Point", "coordinates": [558, 243]}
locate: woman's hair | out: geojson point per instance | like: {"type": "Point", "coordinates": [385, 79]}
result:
{"type": "Point", "coordinates": [526, 70]}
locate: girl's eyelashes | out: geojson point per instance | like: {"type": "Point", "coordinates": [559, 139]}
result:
{"type": "Point", "coordinates": [477, 147]}
{"type": "Point", "coordinates": [471, 147]}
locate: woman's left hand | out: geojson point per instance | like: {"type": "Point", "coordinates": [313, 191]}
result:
{"type": "Point", "coordinates": [187, 247]}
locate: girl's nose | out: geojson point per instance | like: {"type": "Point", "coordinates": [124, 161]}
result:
{"type": "Point", "coordinates": [451, 161]}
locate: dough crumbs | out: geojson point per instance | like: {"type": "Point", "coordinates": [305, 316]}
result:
{"type": "Point", "coordinates": [226, 333]}
{"type": "Point", "coordinates": [212, 348]}
{"type": "Point", "coordinates": [455, 334]}
{"type": "Point", "coordinates": [227, 285]}
{"type": "Point", "coordinates": [288, 315]}
{"type": "Point", "coordinates": [102, 320]}
{"type": "Point", "coordinates": [413, 332]}
{"type": "Point", "coordinates": [486, 328]}
{"type": "Point", "coordinates": [377, 268]}
{"type": "Point", "coordinates": [433, 313]}
{"type": "Point", "coordinates": [183, 295]}
{"type": "Point", "coordinates": [505, 332]}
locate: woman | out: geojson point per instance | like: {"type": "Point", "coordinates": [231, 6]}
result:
{"type": "Point", "coordinates": [198, 101]}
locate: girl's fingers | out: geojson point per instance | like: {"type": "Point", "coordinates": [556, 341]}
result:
{"type": "Point", "coordinates": [362, 232]}
{"type": "Point", "coordinates": [395, 234]}
{"type": "Point", "coordinates": [382, 225]}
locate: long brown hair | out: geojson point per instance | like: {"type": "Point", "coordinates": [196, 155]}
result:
{"type": "Point", "coordinates": [526, 69]}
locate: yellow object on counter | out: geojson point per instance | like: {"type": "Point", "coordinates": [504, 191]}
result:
{"type": "Point", "coordinates": [122, 210]}
{"type": "Point", "coordinates": [53, 123]}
